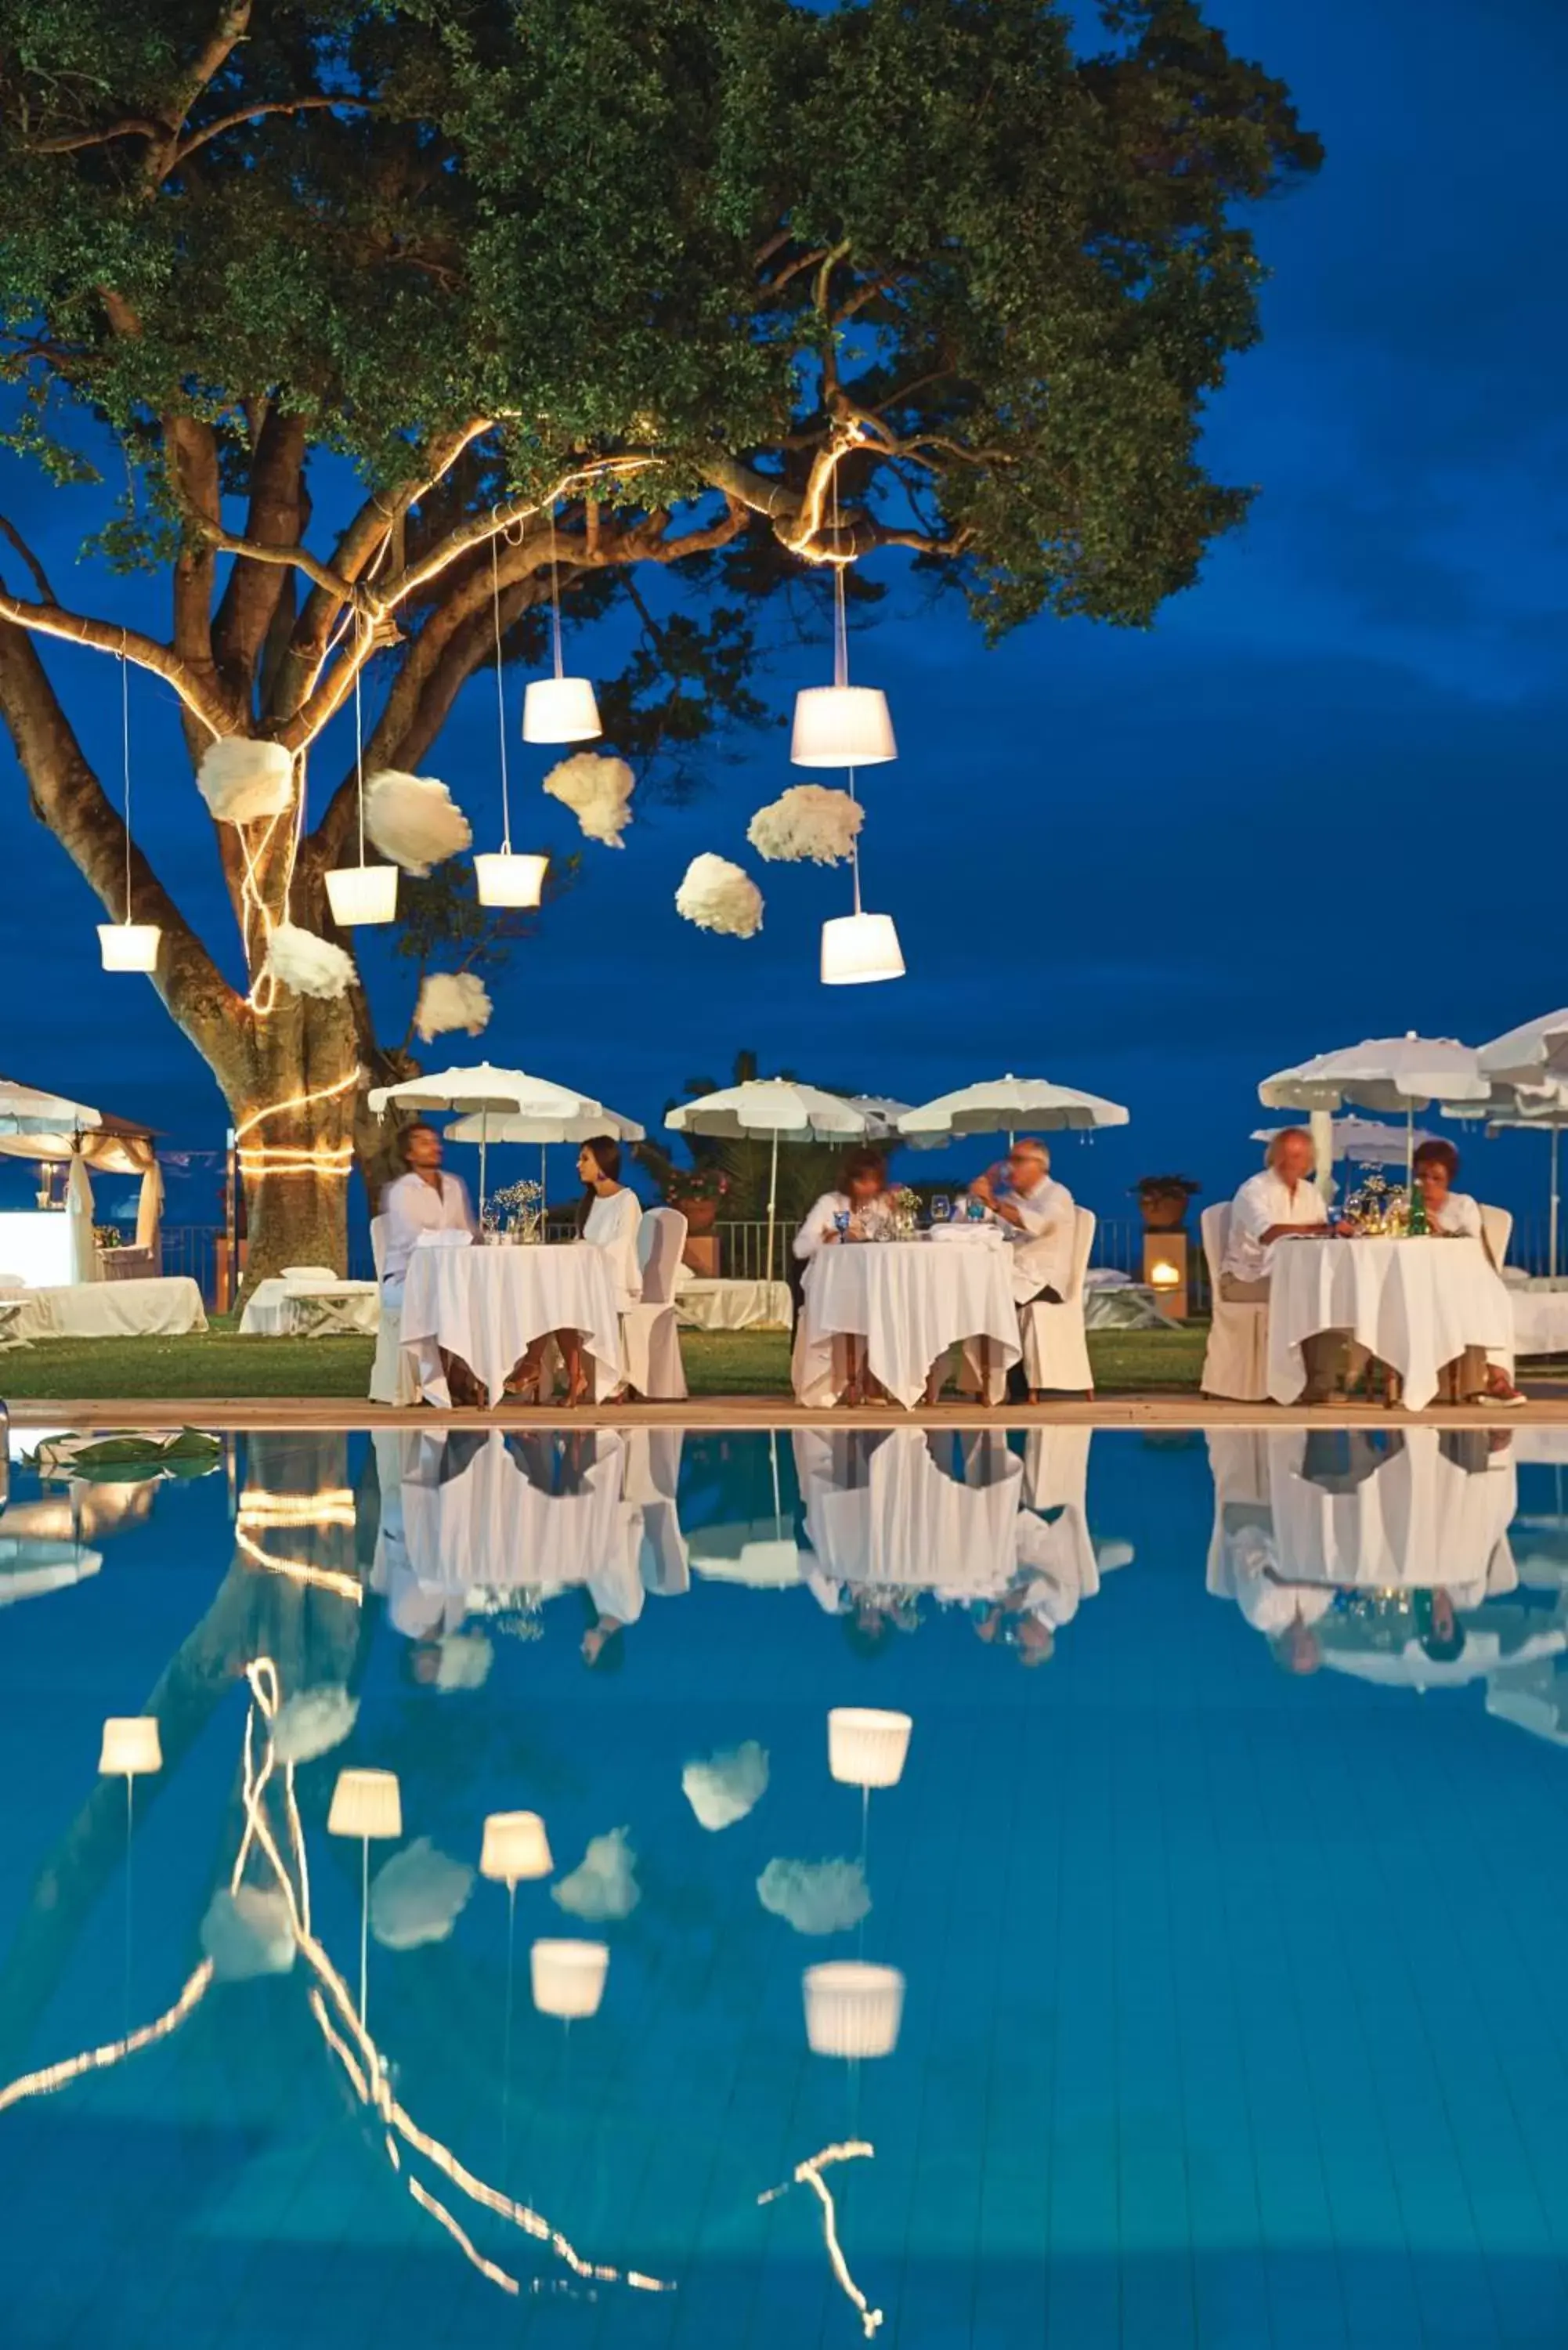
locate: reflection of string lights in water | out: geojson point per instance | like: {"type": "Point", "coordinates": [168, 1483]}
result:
{"type": "Point", "coordinates": [809, 2174]}
{"type": "Point", "coordinates": [363, 2065]}
{"type": "Point", "coordinates": [262, 1512]}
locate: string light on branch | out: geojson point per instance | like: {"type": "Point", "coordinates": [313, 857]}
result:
{"type": "Point", "coordinates": [127, 946]}
{"type": "Point", "coordinates": [503, 879]}
{"type": "Point", "coordinates": [327, 1161]}
{"type": "Point", "coordinates": [361, 894]}
{"type": "Point", "coordinates": [559, 709]}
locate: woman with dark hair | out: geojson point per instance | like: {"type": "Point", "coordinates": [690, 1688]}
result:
{"type": "Point", "coordinates": [1454, 1215]}
{"type": "Point", "coordinates": [609, 1217]}
{"type": "Point", "coordinates": [859, 1211]}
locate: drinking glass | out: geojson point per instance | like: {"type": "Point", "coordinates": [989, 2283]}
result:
{"type": "Point", "coordinates": [974, 1210]}
{"type": "Point", "coordinates": [841, 1223]}
{"type": "Point", "coordinates": [941, 1208]}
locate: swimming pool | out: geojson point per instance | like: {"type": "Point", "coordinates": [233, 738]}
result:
{"type": "Point", "coordinates": [1224, 1873]}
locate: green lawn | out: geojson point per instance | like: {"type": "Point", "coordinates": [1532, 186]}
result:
{"type": "Point", "coordinates": [219, 1363]}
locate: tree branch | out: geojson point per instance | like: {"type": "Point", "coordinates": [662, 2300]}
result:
{"type": "Point", "coordinates": [9, 531]}
{"type": "Point", "coordinates": [108, 637]}
{"type": "Point", "coordinates": [254, 113]}
{"type": "Point", "coordinates": [274, 522]}
{"type": "Point", "coordinates": [66, 796]}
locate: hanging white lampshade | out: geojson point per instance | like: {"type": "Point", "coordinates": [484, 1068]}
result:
{"type": "Point", "coordinates": [841, 726]}
{"type": "Point", "coordinates": [362, 893]}
{"type": "Point", "coordinates": [128, 946]}
{"type": "Point", "coordinates": [516, 1847]}
{"type": "Point", "coordinates": [853, 2008]}
{"type": "Point", "coordinates": [859, 948]}
{"type": "Point", "coordinates": [131, 1746]}
{"type": "Point", "coordinates": [569, 1977]}
{"type": "Point", "coordinates": [366, 1804]}
{"type": "Point", "coordinates": [507, 880]}
{"type": "Point", "coordinates": [560, 709]}
{"type": "Point", "coordinates": [867, 1747]}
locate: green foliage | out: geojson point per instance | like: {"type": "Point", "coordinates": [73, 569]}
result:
{"type": "Point", "coordinates": [603, 221]}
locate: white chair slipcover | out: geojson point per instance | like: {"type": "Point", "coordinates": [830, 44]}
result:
{"type": "Point", "coordinates": [392, 1375]}
{"type": "Point", "coordinates": [1236, 1359]}
{"type": "Point", "coordinates": [1055, 1350]}
{"type": "Point", "coordinates": [649, 1335]}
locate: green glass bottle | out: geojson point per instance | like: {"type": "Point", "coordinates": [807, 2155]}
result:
{"type": "Point", "coordinates": [1417, 1228]}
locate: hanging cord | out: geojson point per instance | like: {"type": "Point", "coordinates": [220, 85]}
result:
{"type": "Point", "coordinates": [854, 850]}
{"type": "Point", "coordinates": [555, 592]}
{"type": "Point", "coordinates": [841, 670]}
{"type": "Point", "coordinates": [501, 689]}
{"type": "Point", "coordinates": [125, 761]}
{"type": "Point", "coordinates": [359, 756]}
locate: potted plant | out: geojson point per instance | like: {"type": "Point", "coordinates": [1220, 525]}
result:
{"type": "Point", "coordinates": [699, 1192]}
{"type": "Point", "coordinates": [1162, 1201]}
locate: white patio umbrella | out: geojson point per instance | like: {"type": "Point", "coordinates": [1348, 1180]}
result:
{"type": "Point", "coordinates": [485, 1089]}
{"type": "Point", "coordinates": [1401, 1073]}
{"type": "Point", "coordinates": [1520, 1108]}
{"type": "Point", "coordinates": [1364, 1141]}
{"type": "Point", "coordinates": [593, 1118]}
{"type": "Point", "coordinates": [771, 1109]}
{"type": "Point", "coordinates": [1532, 1054]}
{"type": "Point", "coordinates": [1003, 1105]}
{"type": "Point", "coordinates": [883, 1114]}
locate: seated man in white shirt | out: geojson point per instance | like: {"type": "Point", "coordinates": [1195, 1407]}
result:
{"type": "Point", "coordinates": [1039, 1219]}
{"type": "Point", "coordinates": [1282, 1203]}
{"type": "Point", "coordinates": [424, 1200]}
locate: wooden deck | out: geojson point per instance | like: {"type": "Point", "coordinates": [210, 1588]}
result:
{"type": "Point", "coordinates": [1152, 1410]}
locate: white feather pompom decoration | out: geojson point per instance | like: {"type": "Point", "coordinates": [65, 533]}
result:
{"type": "Point", "coordinates": [809, 824]}
{"type": "Point", "coordinates": [451, 999]}
{"type": "Point", "coordinates": [717, 896]}
{"type": "Point", "coordinates": [311, 966]}
{"type": "Point", "coordinates": [413, 819]}
{"type": "Point", "coordinates": [598, 791]}
{"type": "Point", "coordinates": [242, 780]}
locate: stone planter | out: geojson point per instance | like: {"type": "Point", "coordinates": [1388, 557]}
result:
{"type": "Point", "coordinates": [701, 1215]}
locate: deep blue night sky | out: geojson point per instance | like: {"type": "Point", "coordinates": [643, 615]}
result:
{"type": "Point", "coordinates": [1321, 800]}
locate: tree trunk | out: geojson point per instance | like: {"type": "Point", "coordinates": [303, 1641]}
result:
{"type": "Point", "coordinates": [292, 1089]}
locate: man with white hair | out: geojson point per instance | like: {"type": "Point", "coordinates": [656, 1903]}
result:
{"type": "Point", "coordinates": [1280, 1203]}
{"type": "Point", "coordinates": [1038, 1217]}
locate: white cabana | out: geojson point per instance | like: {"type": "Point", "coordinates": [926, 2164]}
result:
{"type": "Point", "coordinates": [774, 1110]}
{"type": "Point", "coordinates": [1398, 1074]}
{"type": "Point", "coordinates": [56, 1130]}
{"type": "Point", "coordinates": [1005, 1105]}
{"type": "Point", "coordinates": [486, 1090]}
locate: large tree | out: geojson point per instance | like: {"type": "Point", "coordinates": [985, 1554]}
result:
{"type": "Point", "coordinates": [738, 289]}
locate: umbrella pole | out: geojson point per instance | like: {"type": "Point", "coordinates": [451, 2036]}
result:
{"type": "Point", "coordinates": [1409, 1149]}
{"type": "Point", "coordinates": [483, 1142]}
{"type": "Point", "coordinates": [1553, 1218]}
{"type": "Point", "coordinates": [544, 1184]}
{"type": "Point", "coordinates": [772, 1202]}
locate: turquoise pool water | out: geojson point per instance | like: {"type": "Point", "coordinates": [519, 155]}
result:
{"type": "Point", "coordinates": [1225, 1873]}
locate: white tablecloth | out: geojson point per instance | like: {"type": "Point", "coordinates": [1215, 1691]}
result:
{"type": "Point", "coordinates": [113, 1309]}
{"type": "Point", "coordinates": [284, 1309]}
{"type": "Point", "coordinates": [910, 1302]}
{"type": "Point", "coordinates": [1435, 1512]}
{"type": "Point", "coordinates": [702, 1305]}
{"type": "Point", "coordinates": [882, 1513]}
{"type": "Point", "coordinates": [1414, 1303]}
{"type": "Point", "coordinates": [487, 1306]}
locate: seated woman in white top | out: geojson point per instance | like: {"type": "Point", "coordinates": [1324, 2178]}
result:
{"type": "Point", "coordinates": [608, 1215]}
{"type": "Point", "coordinates": [1454, 1215]}
{"type": "Point", "coordinates": [859, 1211]}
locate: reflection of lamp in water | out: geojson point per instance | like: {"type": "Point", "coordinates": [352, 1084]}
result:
{"type": "Point", "coordinates": [569, 1977]}
{"type": "Point", "coordinates": [516, 1849]}
{"type": "Point", "coordinates": [366, 1804]}
{"type": "Point", "coordinates": [131, 1749]}
{"type": "Point", "coordinates": [853, 2008]}
{"type": "Point", "coordinates": [867, 1747]}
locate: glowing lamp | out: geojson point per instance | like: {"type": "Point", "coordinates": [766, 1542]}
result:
{"type": "Point", "coordinates": [362, 893]}
{"type": "Point", "coordinates": [853, 2008]}
{"type": "Point", "coordinates": [1165, 1263]}
{"type": "Point", "coordinates": [1165, 1275]}
{"type": "Point", "coordinates": [857, 948]}
{"type": "Point", "coordinates": [366, 1804]}
{"type": "Point", "coordinates": [569, 1977]}
{"type": "Point", "coordinates": [128, 946]}
{"type": "Point", "coordinates": [560, 709]}
{"type": "Point", "coordinates": [507, 880]}
{"type": "Point", "coordinates": [867, 1747]}
{"type": "Point", "coordinates": [841, 726]}
{"type": "Point", "coordinates": [131, 1746]}
{"type": "Point", "coordinates": [515, 1846]}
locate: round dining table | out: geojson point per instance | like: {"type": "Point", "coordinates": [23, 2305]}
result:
{"type": "Point", "coordinates": [910, 1301]}
{"type": "Point", "coordinates": [486, 1305]}
{"type": "Point", "coordinates": [1414, 1303]}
